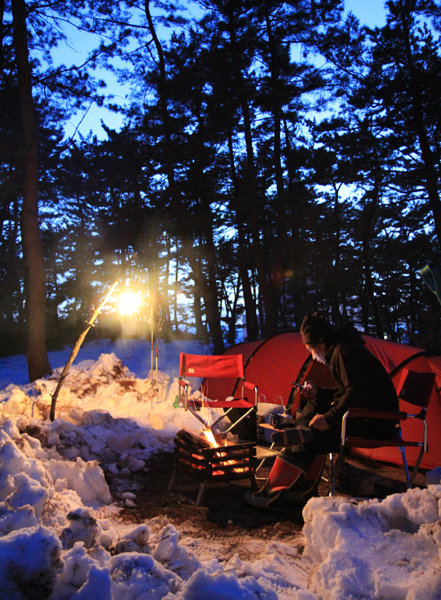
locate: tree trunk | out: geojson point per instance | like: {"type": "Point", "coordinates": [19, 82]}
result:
{"type": "Point", "coordinates": [269, 324]}
{"type": "Point", "coordinates": [336, 278]}
{"type": "Point", "coordinates": [34, 281]}
{"type": "Point", "coordinates": [252, 325]}
{"type": "Point", "coordinates": [175, 287]}
{"type": "Point", "coordinates": [431, 172]}
{"type": "Point", "coordinates": [207, 291]}
{"type": "Point", "coordinates": [281, 243]}
{"type": "Point", "coordinates": [167, 330]}
{"type": "Point", "coordinates": [369, 290]}
{"type": "Point", "coordinates": [210, 297]}
{"type": "Point", "coordinates": [2, 34]}
{"type": "Point", "coordinates": [295, 217]}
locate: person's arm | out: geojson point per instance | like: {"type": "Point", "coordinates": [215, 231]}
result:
{"type": "Point", "coordinates": [348, 371]}
{"type": "Point", "coordinates": [317, 401]}
{"type": "Point", "coordinates": [319, 422]}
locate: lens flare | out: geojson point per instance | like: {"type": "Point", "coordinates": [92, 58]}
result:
{"type": "Point", "coordinates": [129, 302]}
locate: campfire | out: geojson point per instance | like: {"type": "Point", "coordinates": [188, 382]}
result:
{"type": "Point", "coordinates": [211, 458]}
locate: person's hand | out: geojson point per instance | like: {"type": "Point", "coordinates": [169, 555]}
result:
{"type": "Point", "coordinates": [318, 422]}
{"type": "Point", "coordinates": [310, 390]}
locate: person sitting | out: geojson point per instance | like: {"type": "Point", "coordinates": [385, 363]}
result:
{"type": "Point", "coordinates": [362, 382]}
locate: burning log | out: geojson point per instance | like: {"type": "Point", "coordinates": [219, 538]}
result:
{"type": "Point", "coordinates": [191, 439]}
{"type": "Point", "coordinates": [201, 441]}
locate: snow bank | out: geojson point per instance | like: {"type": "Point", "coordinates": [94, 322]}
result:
{"type": "Point", "coordinates": [54, 543]}
{"type": "Point", "coordinates": [389, 549]}
{"type": "Point", "coordinates": [61, 537]}
{"type": "Point", "coordinates": [55, 503]}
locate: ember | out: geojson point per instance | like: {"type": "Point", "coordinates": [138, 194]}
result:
{"type": "Point", "coordinates": [207, 463]}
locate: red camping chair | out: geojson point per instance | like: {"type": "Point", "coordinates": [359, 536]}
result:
{"type": "Point", "coordinates": [226, 366]}
{"type": "Point", "coordinates": [415, 390]}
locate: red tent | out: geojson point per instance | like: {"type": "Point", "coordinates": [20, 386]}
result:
{"type": "Point", "coordinates": [274, 363]}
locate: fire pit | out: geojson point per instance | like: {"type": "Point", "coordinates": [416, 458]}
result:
{"type": "Point", "coordinates": [224, 462]}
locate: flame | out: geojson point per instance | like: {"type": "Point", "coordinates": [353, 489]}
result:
{"type": "Point", "coordinates": [210, 438]}
{"type": "Point", "coordinates": [213, 443]}
{"type": "Point", "coordinates": [221, 464]}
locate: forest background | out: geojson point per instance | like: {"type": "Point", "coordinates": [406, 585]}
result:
{"type": "Point", "coordinates": [273, 158]}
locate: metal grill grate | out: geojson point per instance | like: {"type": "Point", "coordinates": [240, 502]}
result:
{"type": "Point", "coordinates": [207, 464]}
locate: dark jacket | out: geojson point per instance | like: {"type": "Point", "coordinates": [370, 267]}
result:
{"type": "Point", "coordinates": [362, 382]}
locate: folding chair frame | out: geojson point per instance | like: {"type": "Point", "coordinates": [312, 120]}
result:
{"type": "Point", "coordinates": [346, 441]}
{"type": "Point", "coordinates": [231, 367]}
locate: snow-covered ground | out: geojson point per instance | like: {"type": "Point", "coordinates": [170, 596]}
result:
{"type": "Point", "coordinates": [60, 532]}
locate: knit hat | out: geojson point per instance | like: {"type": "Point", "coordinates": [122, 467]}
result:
{"type": "Point", "coordinates": [315, 328]}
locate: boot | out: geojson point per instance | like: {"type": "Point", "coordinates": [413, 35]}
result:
{"type": "Point", "coordinates": [307, 487]}
{"type": "Point", "coordinates": [282, 477]}
{"type": "Point", "coordinates": [292, 436]}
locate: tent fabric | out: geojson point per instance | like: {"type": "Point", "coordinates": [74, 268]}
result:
{"type": "Point", "coordinates": [274, 363]}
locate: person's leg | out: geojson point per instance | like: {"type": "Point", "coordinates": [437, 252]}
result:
{"type": "Point", "coordinates": [295, 473]}
{"type": "Point", "coordinates": [306, 486]}
{"type": "Point", "coordinates": [292, 436]}
{"type": "Point", "coordinates": [282, 477]}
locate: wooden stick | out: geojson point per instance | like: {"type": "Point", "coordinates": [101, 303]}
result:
{"type": "Point", "coordinates": [77, 348]}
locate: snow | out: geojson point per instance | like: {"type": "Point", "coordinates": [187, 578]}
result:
{"type": "Point", "coordinates": [61, 536]}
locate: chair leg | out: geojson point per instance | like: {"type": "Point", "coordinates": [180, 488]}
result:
{"type": "Point", "coordinates": [331, 474]}
{"type": "Point", "coordinates": [405, 467]}
{"type": "Point", "coordinates": [417, 466]}
{"type": "Point", "coordinates": [263, 461]}
{"type": "Point", "coordinates": [244, 416]}
{"type": "Point", "coordinates": [172, 481]}
{"type": "Point", "coordinates": [335, 466]}
{"type": "Point", "coordinates": [198, 417]}
{"type": "Point", "coordinates": [201, 493]}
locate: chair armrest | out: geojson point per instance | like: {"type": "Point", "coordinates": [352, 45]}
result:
{"type": "Point", "coordinates": [380, 414]}
{"type": "Point", "coordinates": [371, 414]}
{"type": "Point", "coordinates": [375, 414]}
{"type": "Point", "coordinates": [250, 386]}
{"type": "Point", "coordinates": [253, 387]}
{"type": "Point", "coordinates": [183, 383]}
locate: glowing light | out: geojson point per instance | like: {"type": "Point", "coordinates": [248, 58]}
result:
{"type": "Point", "coordinates": [212, 440]}
{"type": "Point", "coordinates": [129, 302]}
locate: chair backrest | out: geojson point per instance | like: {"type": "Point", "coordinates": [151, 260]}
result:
{"type": "Point", "coordinates": [417, 387]}
{"type": "Point", "coordinates": [219, 366]}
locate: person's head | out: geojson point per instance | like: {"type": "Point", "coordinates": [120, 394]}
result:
{"type": "Point", "coordinates": [317, 335]}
